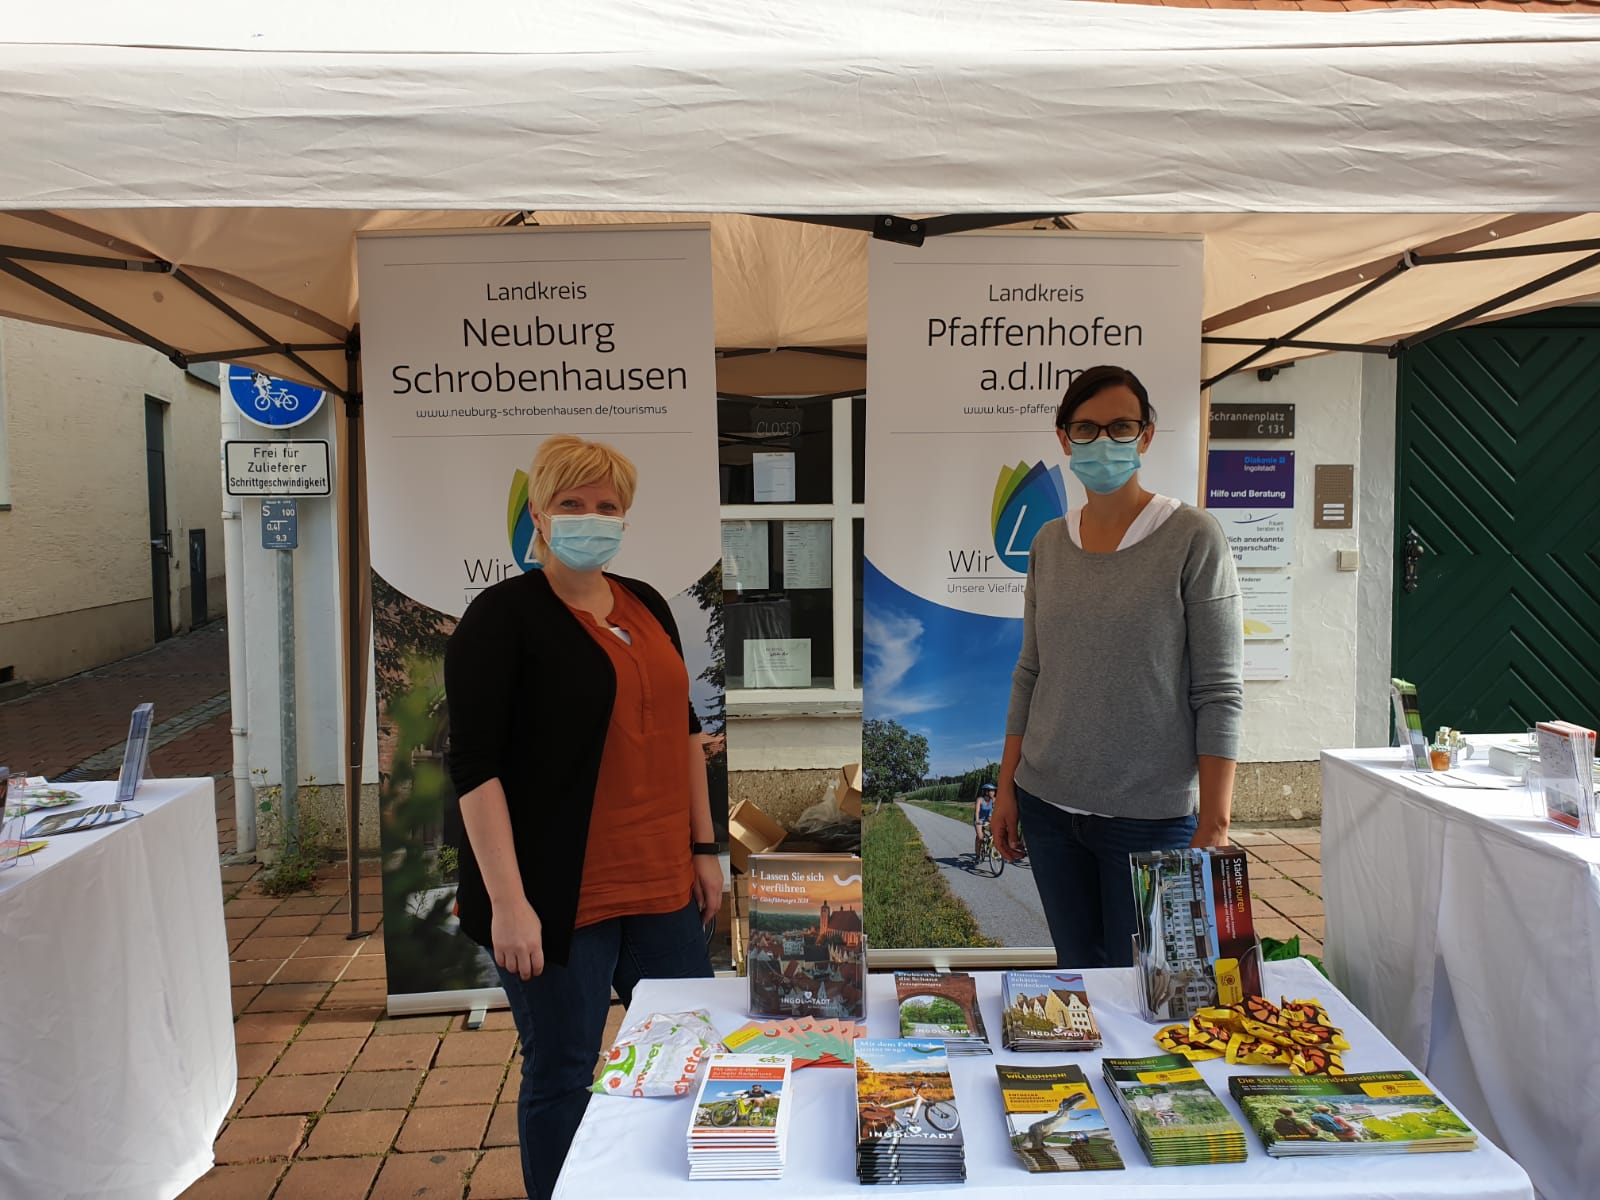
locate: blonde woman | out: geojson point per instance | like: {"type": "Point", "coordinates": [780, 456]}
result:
{"type": "Point", "coordinates": [589, 860]}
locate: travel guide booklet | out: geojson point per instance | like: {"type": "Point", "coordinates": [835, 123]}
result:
{"type": "Point", "coordinates": [806, 954]}
{"type": "Point", "coordinates": [1053, 1120]}
{"type": "Point", "coordinates": [908, 1128]}
{"type": "Point", "coordinates": [1408, 724]}
{"type": "Point", "coordinates": [1047, 1010]}
{"type": "Point", "coordinates": [942, 1005]}
{"type": "Point", "coordinates": [740, 1125]}
{"type": "Point", "coordinates": [1196, 940]}
{"type": "Point", "coordinates": [1179, 1120]}
{"type": "Point", "coordinates": [1566, 776]}
{"type": "Point", "coordinates": [1377, 1112]}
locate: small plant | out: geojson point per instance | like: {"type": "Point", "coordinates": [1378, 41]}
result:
{"type": "Point", "coordinates": [301, 850]}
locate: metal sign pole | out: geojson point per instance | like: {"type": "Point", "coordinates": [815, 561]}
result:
{"type": "Point", "coordinates": [289, 756]}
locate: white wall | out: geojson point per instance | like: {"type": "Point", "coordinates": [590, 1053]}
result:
{"type": "Point", "coordinates": [319, 655]}
{"type": "Point", "coordinates": [1375, 496]}
{"type": "Point", "coordinates": [76, 540]}
{"type": "Point", "coordinates": [1340, 623]}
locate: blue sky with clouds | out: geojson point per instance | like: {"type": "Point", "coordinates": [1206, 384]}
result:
{"type": "Point", "coordinates": [939, 672]}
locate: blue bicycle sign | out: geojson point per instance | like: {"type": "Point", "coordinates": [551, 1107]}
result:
{"type": "Point", "coordinates": [265, 400]}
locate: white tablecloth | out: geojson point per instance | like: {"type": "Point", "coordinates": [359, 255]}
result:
{"type": "Point", "coordinates": [116, 1022]}
{"type": "Point", "coordinates": [1469, 930]}
{"type": "Point", "coordinates": [630, 1148]}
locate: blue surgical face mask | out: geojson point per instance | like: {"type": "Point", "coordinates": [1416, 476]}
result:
{"type": "Point", "coordinates": [1102, 465]}
{"type": "Point", "coordinates": [587, 542]}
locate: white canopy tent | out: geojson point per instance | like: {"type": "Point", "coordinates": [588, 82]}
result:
{"type": "Point", "coordinates": [193, 176]}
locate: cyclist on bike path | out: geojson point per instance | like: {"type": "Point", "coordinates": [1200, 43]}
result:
{"type": "Point", "coordinates": [982, 806]}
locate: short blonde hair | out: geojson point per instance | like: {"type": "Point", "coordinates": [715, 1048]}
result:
{"type": "Point", "coordinates": [565, 462]}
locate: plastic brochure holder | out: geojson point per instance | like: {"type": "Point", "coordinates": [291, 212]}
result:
{"type": "Point", "coordinates": [1219, 996]}
{"type": "Point", "coordinates": [1413, 742]}
{"type": "Point", "coordinates": [11, 823]}
{"type": "Point", "coordinates": [136, 753]}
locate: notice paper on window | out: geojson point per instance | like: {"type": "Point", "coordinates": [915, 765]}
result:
{"type": "Point", "coordinates": [807, 554]}
{"type": "Point", "coordinates": [774, 476]}
{"type": "Point", "coordinates": [777, 662]}
{"type": "Point", "coordinates": [745, 565]}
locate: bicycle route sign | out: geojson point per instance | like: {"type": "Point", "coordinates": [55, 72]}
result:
{"type": "Point", "coordinates": [277, 469]}
{"type": "Point", "coordinates": [265, 400]}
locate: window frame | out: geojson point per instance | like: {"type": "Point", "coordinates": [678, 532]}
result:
{"type": "Point", "coordinates": [841, 515]}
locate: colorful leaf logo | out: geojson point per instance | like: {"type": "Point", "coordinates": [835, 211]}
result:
{"type": "Point", "coordinates": [519, 523]}
{"type": "Point", "coordinates": [1025, 497]}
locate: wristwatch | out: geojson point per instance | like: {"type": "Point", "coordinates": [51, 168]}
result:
{"type": "Point", "coordinates": [704, 848]}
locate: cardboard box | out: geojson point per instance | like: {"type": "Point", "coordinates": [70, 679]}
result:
{"type": "Point", "coordinates": [848, 792]}
{"type": "Point", "coordinates": [750, 831]}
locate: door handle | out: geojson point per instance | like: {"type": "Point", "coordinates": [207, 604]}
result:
{"type": "Point", "coordinates": [1413, 555]}
{"type": "Point", "coordinates": [163, 544]}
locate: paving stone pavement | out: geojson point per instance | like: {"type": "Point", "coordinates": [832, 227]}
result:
{"type": "Point", "coordinates": [335, 1098]}
{"type": "Point", "coordinates": [57, 727]}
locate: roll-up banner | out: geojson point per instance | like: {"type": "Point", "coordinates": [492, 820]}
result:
{"type": "Point", "coordinates": [974, 340]}
{"type": "Point", "coordinates": [477, 346]}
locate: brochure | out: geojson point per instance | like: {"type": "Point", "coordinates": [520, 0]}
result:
{"type": "Point", "coordinates": [1047, 1010]}
{"type": "Point", "coordinates": [1053, 1120]}
{"type": "Point", "coordinates": [1566, 776]}
{"type": "Point", "coordinates": [807, 950]}
{"type": "Point", "coordinates": [1196, 942]}
{"type": "Point", "coordinates": [1408, 724]}
{"type": "Point", "coordinates": [1378, 1112]}
{"type": "Point", "coordinates": [908, 1128]}
{"type": "Point", "coordinates": [942, 1005]}
{"type": "Point", "coordinates": [1179, 1120]}
{"type": "Point", "coordinates": [136, 753]}
{"type": "Point", "coordinates": [740, 1125]}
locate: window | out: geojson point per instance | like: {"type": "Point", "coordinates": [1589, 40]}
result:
{"type": "Point", "coordinates": [792, 473]}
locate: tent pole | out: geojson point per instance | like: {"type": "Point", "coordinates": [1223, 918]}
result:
{"type": "Point", "coordinates": [355, 701]}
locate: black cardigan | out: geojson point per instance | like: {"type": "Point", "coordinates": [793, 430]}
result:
{"type": "Point", "coordinates": [530, 696]}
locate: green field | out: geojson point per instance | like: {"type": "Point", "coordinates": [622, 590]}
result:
{"type": "Point", "coordinates": [907, 903]}
{"type": "Point", "coordinates": [956, 812]}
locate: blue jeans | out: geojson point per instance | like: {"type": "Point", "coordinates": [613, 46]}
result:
{"type": "Point", "coordinates": [1080, 866]}
{"type": "Point", "coordinates": [561, 1017]}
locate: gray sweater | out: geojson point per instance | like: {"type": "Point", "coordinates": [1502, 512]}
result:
{"type": "Point", "coordinates": [1131, 665]}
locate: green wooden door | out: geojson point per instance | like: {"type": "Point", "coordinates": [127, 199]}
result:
{"type": "Point", "coordinates": [1498, 477]}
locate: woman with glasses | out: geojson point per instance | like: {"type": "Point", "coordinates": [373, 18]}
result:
{"type": "Point", "coordinates": [1123, 727]}
{"type": "Point", "coordinates": [589, 860]}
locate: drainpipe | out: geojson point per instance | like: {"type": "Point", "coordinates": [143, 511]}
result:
{"type": "Point", "coordinates": [244, 805]}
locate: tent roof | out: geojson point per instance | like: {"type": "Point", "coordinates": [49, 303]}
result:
{"type": "Point", "coordinates": [235, 153]}
{"type": "Point", "coordinates": [831, 106]}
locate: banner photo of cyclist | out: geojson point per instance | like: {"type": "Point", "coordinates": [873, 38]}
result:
{"type": "Point", "coordinates": [477, 346]}
{"type": "Point", "coordinates": [974, 341]}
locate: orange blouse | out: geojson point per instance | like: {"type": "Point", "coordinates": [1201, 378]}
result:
{"type": "Point", "coordinates": [637, 858]}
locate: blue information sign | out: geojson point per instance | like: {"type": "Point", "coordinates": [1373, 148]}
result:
{"type": "Point", "coordinates": [280, 525]}
{"type": "Point", "coordinates": [275, 403]}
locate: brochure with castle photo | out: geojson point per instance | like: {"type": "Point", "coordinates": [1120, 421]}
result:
{"type": "Point", "coordinates": [807, 949]}
{"type": "Point", "coordinates": [1047, 1010]}
{"type": "Point", "coordinates": [1053, 1120]}
{"type": "Point", "coordinates": [1196, 940]}
{"type": "Point", "coordinates": [1378, 1112]}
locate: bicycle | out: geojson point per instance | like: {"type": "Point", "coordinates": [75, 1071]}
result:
{"type": "Point", "coordinates": [739, 1108]}
{"type": "Point", "coordinates": [267, 395]}
{"type": "Point", "coordinates": [988, 854]}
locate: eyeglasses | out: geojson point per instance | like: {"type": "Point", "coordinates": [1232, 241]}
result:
{"type": "Point", "coordinates": [1125, 429]}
